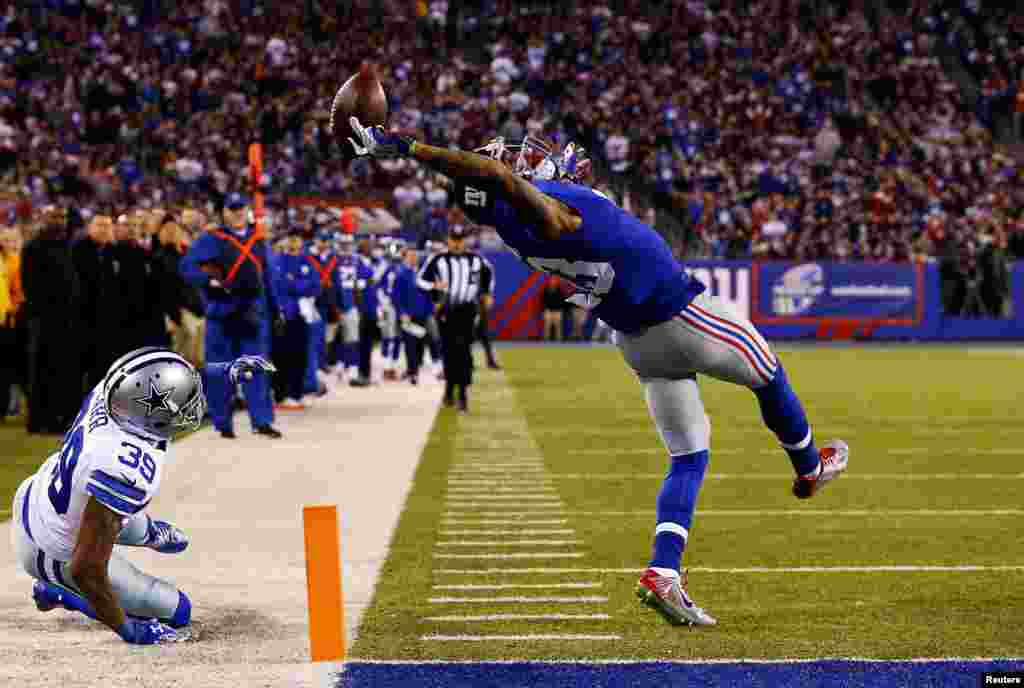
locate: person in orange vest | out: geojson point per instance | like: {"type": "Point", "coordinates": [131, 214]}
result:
{"type": "Point", "coordinates": [230, 265]}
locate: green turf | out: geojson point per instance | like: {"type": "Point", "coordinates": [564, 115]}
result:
{"type": "Point", "coordinates": [904, 411]}
{"type": "Point", "coordinates": [20, 456]}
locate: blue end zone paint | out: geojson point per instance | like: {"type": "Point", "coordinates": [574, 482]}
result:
{"type": "Point", "coordinates": [813, 674]}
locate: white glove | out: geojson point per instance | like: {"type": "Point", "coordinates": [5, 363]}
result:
{"type": "Point", "coordinates": [244, 367]}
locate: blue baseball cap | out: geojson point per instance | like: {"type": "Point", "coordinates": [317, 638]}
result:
{"type": "Point", "coordinates": [235, 200]}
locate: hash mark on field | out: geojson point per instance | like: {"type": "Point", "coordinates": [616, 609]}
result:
{"type": "Point", "coordinates": [518, 599]}
{"type": "Point", "coordinates": [516, 586]}
{"type": "Point", "coordinates": [884, 568]}
{"type": "Point", "coordinates": [520, 638]}
{"type": "Point", "coordinates": [505, 543]}
{"type": "Point", "coordinates": [520, 617]}
{"type": "Point", "coordinates": [517, 555]}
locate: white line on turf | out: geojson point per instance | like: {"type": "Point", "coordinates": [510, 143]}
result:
{"type": "Point", "coordinates": [518, 599]}
{"type": "Point", "coordinates": [531, 497]}
{"type": "Point", "coordinates": [520, 617]}
{"type": "Point", "coordinates": [884, 568]}
{"type": "Point", "coordinates": [896, 451]}
{"type": "Point", "coordinates": [517, 555]}
{"type": "Point", "coordinates": [501, 495]}
{"type": "Point", "coordinates": [517, 586]}
{"type": "Point", "coordinates": [821, 512]}
{"type": "Point", "coordinates": [504, 543]}
{"type": "Point", "coordinates": [521, 638]}
{"type": "Point", "coordinates": [451, 520]}
{"type": "Point", "coordinates": [789, 476]}
{"type": "Point", "coordinates": [528, 531]}
{"type": "Point", "coordinates": [536, 506]}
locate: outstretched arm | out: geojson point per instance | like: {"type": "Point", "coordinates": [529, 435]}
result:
{"type": "Point", "coordinates": [552, 217]}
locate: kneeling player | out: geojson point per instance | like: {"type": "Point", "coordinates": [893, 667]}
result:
{"type": "Point", "coordinates": [91, 495]}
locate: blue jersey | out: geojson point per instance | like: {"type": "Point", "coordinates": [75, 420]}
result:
{"type": "Point", "coordinates": [346, 275]}
{"type": "Point", "coordinates": [243, 262]}
{"type": "Point", "coordinates": [389, 282]}
{"type": "Point", "coordinates": [622, 269]}
{"type": "Point", "coordinates": [296, 279]}
{"type": "Point", "coordinates": [365, 275]}
{"type": "Point", "coordinates": [412, 300]}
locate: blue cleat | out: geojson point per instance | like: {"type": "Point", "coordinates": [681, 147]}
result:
{"type": "Point", "coordinates": [48, 597]}
{"type": "Point", "coordinates": [165, 538]}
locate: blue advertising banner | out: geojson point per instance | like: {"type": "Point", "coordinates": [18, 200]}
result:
{"type": "Point", "coordinates": [863, 301]}
{"type": "Point", "coordinates": [810, 293]}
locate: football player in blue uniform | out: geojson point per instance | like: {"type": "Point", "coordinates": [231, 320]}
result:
{"type": "Point", "coordinates": [350, 287]}
{"type": "Point", "coordinates": [667, 326]}
{"type": "Point", "coordinates": [390, 309]}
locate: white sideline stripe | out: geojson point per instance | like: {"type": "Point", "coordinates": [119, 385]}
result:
{"type": "Point", "coordinates": [516, 586]}
{"type": "Point", "coordinates": [693, 662]}
{"type": "Point", "coordinates": [521, 617]}
{"type": "Point", "coordinates": [449, 520]}
{"type": "Point", "coordinates": [517, 555]}
{"type": "Point", "coordinates": [556, 531]}
{"type": "Point", "coordinates": [758, 569]}
{"type": "Point", "coordinates": [521, 638]}
{"type": "Point", "coordinates": [789, 476]}
{"type": "Point", "coordinates": [822, 512]}
{"type": "Point", "coordinates": [517, 599]}
{"type": "Point", "coordinates": [504, 543]}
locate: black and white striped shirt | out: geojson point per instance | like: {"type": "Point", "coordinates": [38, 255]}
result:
{"type": "Point", "coordinates": [468, 276]}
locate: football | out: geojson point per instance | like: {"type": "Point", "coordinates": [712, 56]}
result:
{"type": "Point", "coordinates": [361, 96]}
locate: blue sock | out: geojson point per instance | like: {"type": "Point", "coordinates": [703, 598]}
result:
{"type": "Point", "coordinates": [784, 415]}
{"type": "Point", "coordinates": [676, 503]}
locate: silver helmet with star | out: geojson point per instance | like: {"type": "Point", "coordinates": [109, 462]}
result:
{"type": "Point", "coordinates": [155, 393]}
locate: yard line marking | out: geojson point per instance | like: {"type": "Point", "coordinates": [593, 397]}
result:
{"type": "Point", "coordinates": [789, 476]}
{"type": "Point", "coordinates": [518, 599]}
{"type": "Point", "coordinates": [820, 512]}
{"type": "Point", "coordinates": [522, 513]}
{"type": "Point", "coordinates": [521, 638]}
{"type": "Point", "coordinates": [896, 451]}
{"type": "Point", "coordinates": [505, 543]}
{"type": "Point", "coordinates": [508, 484]}
{"type": "Point", "coordinates": [517, 555]}
{"type": "Point", "coordinates": [450, 520]}
{"type": "Point", "coordinates": [528, 531]}
{"type": "Point", "coordinates": [895, 568]}
{"type": "Point", "coordinates": [519, 617]}
{"type": "Point", "coordinates": [508, 464]}
{"type": "Point", "coordinates": [515, 586]}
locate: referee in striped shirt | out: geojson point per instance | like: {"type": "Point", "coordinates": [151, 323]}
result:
{"type": "Point", "coordinates": [461, 284]}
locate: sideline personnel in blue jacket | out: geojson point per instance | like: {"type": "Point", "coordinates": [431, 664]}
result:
{"type": "Point", "coordinates": [231, 265]}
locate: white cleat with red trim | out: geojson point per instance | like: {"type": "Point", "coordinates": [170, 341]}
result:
{"type": "Point", "coordinates": [835, 457]}
{"type": "Point", "coordinates": [666, 594]}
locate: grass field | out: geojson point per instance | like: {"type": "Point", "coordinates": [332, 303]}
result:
{"type": "Point", "coordinates": [20, 456]}
{"type": "Point", "coordinates": [530, 519]}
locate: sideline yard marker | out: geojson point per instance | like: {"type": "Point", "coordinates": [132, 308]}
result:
{"type": "Point", "coordinates": [323, 583]}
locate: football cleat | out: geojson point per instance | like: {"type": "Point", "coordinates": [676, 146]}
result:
{"type": "Point", "coordinates": [165, 538]}
{"type": "Point", "coordinates": [667, 595]}
{"type": "Point", "coordinates": [47, 596]}
{"type": "Point", "coordinates": [835, 456]}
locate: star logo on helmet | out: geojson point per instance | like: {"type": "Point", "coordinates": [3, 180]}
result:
{"type": "Point", "coordinates": [157, 400]}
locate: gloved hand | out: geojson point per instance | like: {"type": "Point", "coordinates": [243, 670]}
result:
{"type": "Point", "coordinates": [149, 632]}
{"type": "Point", "coordinates": [280, 324]}
{"type": "Point", "coordinates": [244, 367]}
{"type": "Point", "coordinates": [378, 143]}
{"type": "Point", "coordinates": [216, 290]}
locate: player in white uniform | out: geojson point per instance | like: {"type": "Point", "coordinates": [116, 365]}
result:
{"type": "Point", "coordinates": [92, 495]}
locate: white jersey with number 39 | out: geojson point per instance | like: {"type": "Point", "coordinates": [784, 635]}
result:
{"type": "Point", "coordinates": [97, 459]}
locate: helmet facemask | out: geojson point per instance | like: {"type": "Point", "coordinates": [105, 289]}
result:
{"type": "Point", "coordinates": [535, 159]}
